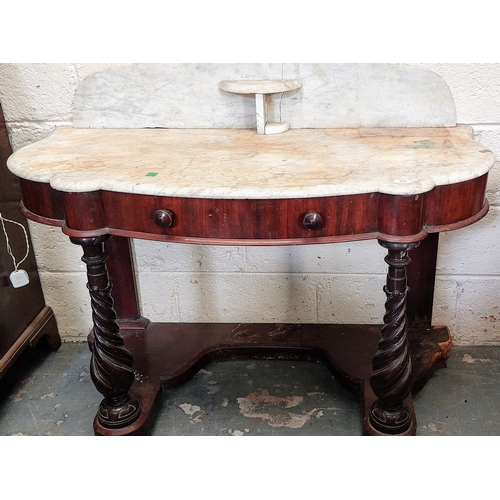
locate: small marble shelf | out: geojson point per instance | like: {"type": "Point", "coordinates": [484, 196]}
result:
{"type": "Point", "coordinates": [261, 89]}
{"type": "Point", "coordinates": [259, 86]}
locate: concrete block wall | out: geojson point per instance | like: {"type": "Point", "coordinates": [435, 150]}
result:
{"type": "Point", "coordinates": [336, 283]}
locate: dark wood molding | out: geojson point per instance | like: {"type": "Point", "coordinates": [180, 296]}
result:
{"type": "Point", "coordinates": [421, 275]}
{"type": "Point", "coordinates": [121, 274]}
{"type": "Point", "coordinates": [402, 219]}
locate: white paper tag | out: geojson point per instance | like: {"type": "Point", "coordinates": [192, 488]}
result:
{"type": "Point", "coordinates": [19, 278]}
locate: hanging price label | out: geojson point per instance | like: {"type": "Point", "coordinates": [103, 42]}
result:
{"type": "Point", "coordinates": [19, 278]}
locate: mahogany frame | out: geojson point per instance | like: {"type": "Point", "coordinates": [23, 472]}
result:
{"type": "Point", "coordinates": [134, 360]}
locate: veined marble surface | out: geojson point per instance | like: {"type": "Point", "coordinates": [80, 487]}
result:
{"type": "Point", "coordinates": [224, 163]}
{"type": "Point", "coordinates": [332, 96]}
{"type": "Point", "coordinates": [259, 86]}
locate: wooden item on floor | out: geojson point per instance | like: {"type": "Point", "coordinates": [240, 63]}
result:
{"type": "Point", "coordinates": [24, 317]}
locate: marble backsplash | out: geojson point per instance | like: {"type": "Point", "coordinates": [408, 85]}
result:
{"type": "Point", "coordinates": [332, 96]}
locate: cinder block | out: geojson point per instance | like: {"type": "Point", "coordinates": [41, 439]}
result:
{"type": "Point", "coordinates": [473, 250]}
{"type": "Point", "coordinates": [228, 297]}
{"type": "Point", "coordinates": [359, 257]}
{"type": "Point", "coordinates": [350, 299]}
{"type": "Point", "coordinates": [474, 319]}
{"type": "Point", "coordinates": [53, 250]}
{"type": "Point", "coordinates": [177, 257]}
{"type": "Point", "coordinates": [445, 309]}
{"type": "Point", "coordinates": [489, 136]}
{"type": "Point", "coordinates": [475, 87]}
{"type": "Point", "coordinates": [67, 295]}
{"type": "Point", "coordinates": [22, 134]}
{"type": "Point", "coordinates": [37, 92]}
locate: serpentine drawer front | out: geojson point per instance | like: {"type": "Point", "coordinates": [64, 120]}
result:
{"type": "Point", "coordinates": [285, 221]}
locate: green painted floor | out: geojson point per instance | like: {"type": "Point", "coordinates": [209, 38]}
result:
{"type": "Point", "coordinates": [51, 394]}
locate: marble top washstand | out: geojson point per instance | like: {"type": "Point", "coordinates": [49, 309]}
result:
{"type": "Point", "coordinates": [259, 154]}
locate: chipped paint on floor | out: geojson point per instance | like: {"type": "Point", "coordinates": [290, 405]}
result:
{"type": "Point", "coordinates": [264, 406]}
{"type": "Point", "coordinates": [191, 411]}
{"type": "Point", "coordinates": [436, 427]}
{"type": "Point", "coordinates": [50, 395]}
{"type": "Point", "coordinates": [469, 359]}
{"type": "Point", "coordinates": [237, 432]}
{"type": "Point", "coordinates": [213, 387]}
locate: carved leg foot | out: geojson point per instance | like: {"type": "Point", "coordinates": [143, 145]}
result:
{"type": "Point", "coordinates": [111, 362]}
{"type": "Point", "coordinates": [391, 379]}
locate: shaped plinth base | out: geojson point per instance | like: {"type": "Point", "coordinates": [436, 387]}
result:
{"type": "Point", "coordinates": [169, 354]}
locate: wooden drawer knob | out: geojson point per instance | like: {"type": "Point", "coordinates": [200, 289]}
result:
{"type": "Point", "coordinates": [312, 220]}
{"type": "Point", "coordinates": [164, 218]}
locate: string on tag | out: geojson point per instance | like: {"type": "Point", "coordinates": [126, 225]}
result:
{"type": "Point", "coordinates": [9, 249]}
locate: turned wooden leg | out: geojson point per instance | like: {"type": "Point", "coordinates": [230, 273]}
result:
{"type": "Point", "coordinates": [391, 379]}
{"type": "Point", "coordinates": [111, 363]}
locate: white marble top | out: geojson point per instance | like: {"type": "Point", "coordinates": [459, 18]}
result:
{"type": "Point", "coordinates": [228, 163]}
